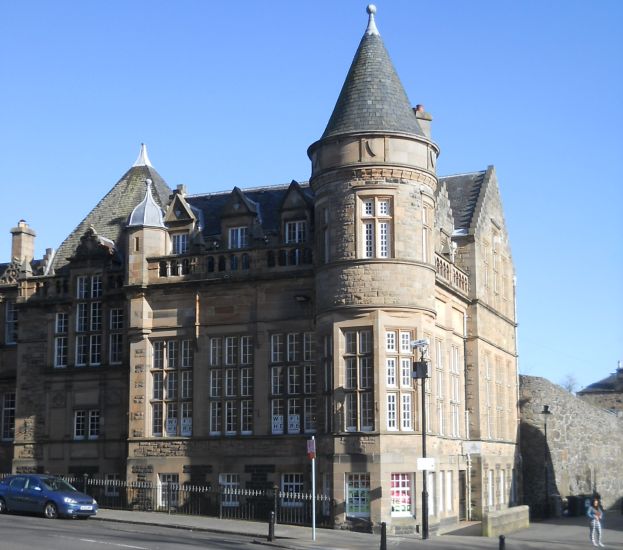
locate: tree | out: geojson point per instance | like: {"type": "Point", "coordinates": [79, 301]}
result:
{"type": "Point", "coordinates": [570, 383]}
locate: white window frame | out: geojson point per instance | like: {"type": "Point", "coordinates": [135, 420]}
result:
{"type": "Point", "coordinates": [292, 484]}
{"type": "Point", "coordinates": [179, 243]}
{"type": "Point", "coordinates": [295, 231]}
{"type": "Point", "coordinates": [238, 237]}
{"type": "Point", "coordinates": [401, 495]}
{"type": "Point", "coordinates": [357, 495]}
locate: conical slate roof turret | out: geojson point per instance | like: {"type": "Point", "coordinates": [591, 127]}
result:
{"type": "Point", "coordinates": [372, 98]}
{"type": "Point", "coordinates": [110, 215]}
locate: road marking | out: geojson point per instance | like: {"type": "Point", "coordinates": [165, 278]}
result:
{"type": "Point", "coordinates": [119, 545]}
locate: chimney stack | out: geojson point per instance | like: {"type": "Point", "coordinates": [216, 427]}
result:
{"type": "Point", "coordinates": [424, 119]}
{"type": "Point", "coordinates": [23, 243]}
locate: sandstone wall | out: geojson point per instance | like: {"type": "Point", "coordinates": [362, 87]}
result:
{"type": "Point", "coordinates": [583, 449]}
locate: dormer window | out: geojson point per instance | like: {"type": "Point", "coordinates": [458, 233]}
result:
{"type": "Point", "coordinates": [179, 243]}
{"type": "Point", "coordinates": [238, 237]}
{"type": "Point", "coordinates": [296, 231]}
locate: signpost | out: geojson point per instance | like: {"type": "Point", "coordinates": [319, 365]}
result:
{"type": "Point", "coordinates": [311, 454]}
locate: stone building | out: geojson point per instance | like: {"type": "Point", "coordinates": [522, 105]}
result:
{"type": "Point", "coordinates": [205, 338]}
{"type": "Point", "coordinates": [607, 393]}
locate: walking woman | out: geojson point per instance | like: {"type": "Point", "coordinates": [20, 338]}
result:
{"type": "Point", "coordinates": [595, 512]}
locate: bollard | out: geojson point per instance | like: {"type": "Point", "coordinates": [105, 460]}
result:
{"type": "Point", "coordinates": [271, 527]}
{"type": "Point", "coordinates": [383, 536]}
{"type": "Point", "coordinates": [502, 542]}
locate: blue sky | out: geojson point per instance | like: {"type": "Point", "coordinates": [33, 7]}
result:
{"type": "Point", "coordinates": [233, 93]}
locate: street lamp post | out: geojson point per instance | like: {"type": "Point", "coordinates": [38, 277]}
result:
{"type": "Point", "coordinates": [421, 372]}
{"type": "Point", "coordinates": [546, 412]}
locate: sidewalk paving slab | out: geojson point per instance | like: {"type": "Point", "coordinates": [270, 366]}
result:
{"type": "Point", "coordinates": [556, 534]}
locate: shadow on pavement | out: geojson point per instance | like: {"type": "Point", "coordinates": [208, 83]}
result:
{"type": "Point", "coordinates": [472, 530]}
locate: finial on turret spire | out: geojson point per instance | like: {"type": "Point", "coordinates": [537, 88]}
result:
{"type": "Point", "coordinates": [143, 159]}
{"type": "Point", "coordinates": [371, 9]}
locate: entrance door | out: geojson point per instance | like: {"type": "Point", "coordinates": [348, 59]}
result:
{"type": "Point", "coordinates": [462, 495]}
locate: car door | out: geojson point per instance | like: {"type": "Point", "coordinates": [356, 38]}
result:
{"type": "Point", "coordinates": [15, 493]}
{"type": "Point", "coordinates": [32, 496]}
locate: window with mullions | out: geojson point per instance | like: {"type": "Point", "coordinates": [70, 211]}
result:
{"type": "Point", "coordinates": [238, 237]}
{"type": "Point", "coordinates": [399, 376]}
{"type": "Point", "coordinates": [171, 388]}
{"type": "Point", "coordinates": [61, 340]}
{"type": "Point", "coordinates": [89, 320]}
{"type": "Point", "coordinates": [357, 495]}
{"type": "Point", "coordinates": [8, 416]}
{"type": "Point", "coordinates": [291, 486]}
{"type": "Point", "coordinates": [293, 383]}
{"type": "Point", "coordinates": [296, 232]}
{"type": "Point", "coordinates": [86, 424]}
{"type": "Point", "coordinates": [115, 346]}
{"type": "Point", "coordinates": [10, 316]}
{"type": "Point", "coordinates": [401, 496]}
{"type": "Point", "coordinates": [179, 243]}
{"type": "Point", "coordinates": [358, 364]}
{"type": "Point", "coordinates": [376, 220]}
{"type": "Point", "coordinates": [231, 385]}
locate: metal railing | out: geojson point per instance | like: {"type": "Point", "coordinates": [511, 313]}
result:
{"type": "Point", "coordinates": [223, 502]}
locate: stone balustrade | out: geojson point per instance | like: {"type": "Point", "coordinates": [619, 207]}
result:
{"type": "Point", "coordinates": [451, 274]}
{"type": "Point", "coordinates": [229, 262]}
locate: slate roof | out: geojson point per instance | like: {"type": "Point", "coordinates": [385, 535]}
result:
{"type": "Point", "coordinates": [372, 97]}
{"type": "Point", "coordinates": [268, 202]}
{"type": "Point", "coordinates": [463, 192]}
{"type": "Point", "coordinates": [612, 383]}
{"type": "Point", "coordinates": [110, 215]}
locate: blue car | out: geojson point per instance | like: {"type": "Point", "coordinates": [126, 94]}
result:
{"type": "Point", "coordinates": [43, 494]}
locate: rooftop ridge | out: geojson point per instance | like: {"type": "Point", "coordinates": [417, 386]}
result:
{"type": "Point", "coordinates": [245, 189]}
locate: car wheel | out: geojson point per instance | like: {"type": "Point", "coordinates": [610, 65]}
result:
{"type": "Point", "coordinates": [50, 511]}
{"type": "Point", "coordinates": [3, 507]}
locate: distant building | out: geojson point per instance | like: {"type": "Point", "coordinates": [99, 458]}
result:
{"type": "Point", "coordinates": [204, 338]}
{"type": "Point", "coordinates": [607, 393]}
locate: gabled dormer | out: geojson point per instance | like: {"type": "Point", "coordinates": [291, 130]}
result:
{"type": "Point", "coordinates": [181, 222]}
{"type": "Point", "coordinates": [240, 220]}
{"type": "Point", "coordinates": [296, 215]}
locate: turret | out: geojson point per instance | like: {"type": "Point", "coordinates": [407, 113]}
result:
{"type": "Point", "coordinates": [147, 236]}
{"type": "Point", "coordinates": [374, 179]}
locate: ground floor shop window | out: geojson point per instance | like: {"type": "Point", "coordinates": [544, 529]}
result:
{"type": "Point", "coordinates": [358, 495]}
{"type": "Point", "coordinates": [168, 490]}
{"type": "Point", "coordinates": [401, 495]}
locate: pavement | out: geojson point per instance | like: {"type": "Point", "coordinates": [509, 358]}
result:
{"type": "Point", "coordinates": [560, 533]}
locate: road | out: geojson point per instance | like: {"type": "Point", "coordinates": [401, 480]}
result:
{"type": "Point", "coordinates": [21, 532]}
{"type": "Point", "coordinates": [119, 530]}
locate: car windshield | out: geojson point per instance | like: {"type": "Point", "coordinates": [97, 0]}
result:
{"type": "Point", "coordinates": [57, 484]}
